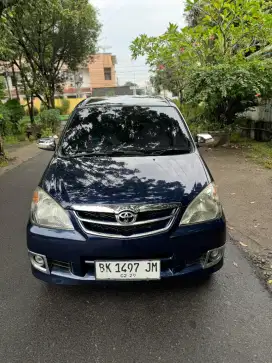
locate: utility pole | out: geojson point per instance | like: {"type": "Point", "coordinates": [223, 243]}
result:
{"type": "Point", "coordinates": [134, 88]}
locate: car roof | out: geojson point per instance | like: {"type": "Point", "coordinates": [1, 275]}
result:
{"type": "Point", "coordinates": [127, 101]}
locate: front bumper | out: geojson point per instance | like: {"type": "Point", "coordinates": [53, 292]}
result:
{"type": "Point", "coordinates": [70, 255]}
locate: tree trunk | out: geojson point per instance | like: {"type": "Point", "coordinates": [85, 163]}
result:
{"type": "Point", "coordinates": [52, 94]}
{"type": "Point", "coordinates": [47, 102]}
{"type": "Point", "coordinates": [2, 152]}
{"type": "Point", "coordinates": [31, 110]}
{"type": "Point", "coordinates": [15, 83]}
{"type": "Point", "coordinates": [52, 98]}
{"type": "Point", "coordinates": [27, 102]}
{"type": "Point", "coordinates": [52, 101]}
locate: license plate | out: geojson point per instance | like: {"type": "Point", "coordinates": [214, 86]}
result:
{"type": "Point", "coordinates": [128, 270]}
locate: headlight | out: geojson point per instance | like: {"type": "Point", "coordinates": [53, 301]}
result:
{"type": "Point", "coordinates": [46, 212]}
{"type": "Point", "coordinates": [204, 207]}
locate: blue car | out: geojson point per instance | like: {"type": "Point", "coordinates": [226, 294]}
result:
{"type": "Point", "coordinates": [126, 197]}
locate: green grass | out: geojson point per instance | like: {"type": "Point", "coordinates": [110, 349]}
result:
{"type": "Point", "coordinates": [14, 139]}
{"type": "Point", "coordinates": [11, 140]}
{"type": "Point", "coordinates": [3, 162]}
{"type": "Point", "coordinates": [64, 117]}
{"type": "Point", "coordinates": [259, 152]}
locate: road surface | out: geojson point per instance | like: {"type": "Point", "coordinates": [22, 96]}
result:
{"type": "Point", "coordinates": [228, 319]}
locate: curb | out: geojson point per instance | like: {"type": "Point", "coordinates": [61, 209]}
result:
{"type": "Point", "coordinates": [20, 156]}
{"type": "Point", "coordinates": [259, 256]}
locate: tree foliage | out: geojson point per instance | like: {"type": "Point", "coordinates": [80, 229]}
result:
{"type": "Point", "coordinates": [130, 84]}
{"type": "Point", "coordinates": [2, 87]}
{"type": "Point", "coordinates": [50, 119]}
{"type": "Point", "coordinates": [228, 89]}
{"type": "Point", "coordinates": [216, 44]}
{"type": "Point", "coordinates": [44, 35]}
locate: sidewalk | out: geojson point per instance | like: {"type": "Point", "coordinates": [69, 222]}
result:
{"type": "Point", "coordinates": [245, 190]}
{"type": "Point", "coordinates": [19, 154]}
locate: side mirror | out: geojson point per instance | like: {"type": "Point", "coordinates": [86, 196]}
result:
{"type": "Point", "coordinates": [204, 139]}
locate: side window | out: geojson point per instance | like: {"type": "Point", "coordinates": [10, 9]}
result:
{"type": "Point", "coordinates": [107, 74]}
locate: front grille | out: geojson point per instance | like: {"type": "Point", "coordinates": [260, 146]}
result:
{"type": "Point", "coordinates": [104, 217]}
{"type": "Point", "coordinates": [150, 219]}
{"type": "Point", "coordinates": [125, 231]}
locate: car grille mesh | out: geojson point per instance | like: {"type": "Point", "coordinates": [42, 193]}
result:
{"type": "Point", "coordinates": [150, 220]}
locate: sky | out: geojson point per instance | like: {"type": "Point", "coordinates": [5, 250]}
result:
{"type": "Point", "coordinates": [124, 20]}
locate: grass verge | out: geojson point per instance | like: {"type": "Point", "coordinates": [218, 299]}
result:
{"type": "Point", "coordinates": [259, 152]}
{"type": "Point", "coordinates": [3, 162]}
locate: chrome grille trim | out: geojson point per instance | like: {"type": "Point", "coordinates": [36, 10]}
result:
{"type": "Point", "coordinates": [118, 224]}
{"type": "Point", "coordinates": [136, 208]}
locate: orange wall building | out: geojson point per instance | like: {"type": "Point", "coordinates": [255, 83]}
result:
{"type": "Point", "coordinates": [102, 71]}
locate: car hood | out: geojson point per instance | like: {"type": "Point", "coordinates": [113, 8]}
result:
{"type": "Point", "coordinates": [107, 180]}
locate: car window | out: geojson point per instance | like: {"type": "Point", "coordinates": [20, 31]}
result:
{"type": "Point", "coordinates": [107, 128]}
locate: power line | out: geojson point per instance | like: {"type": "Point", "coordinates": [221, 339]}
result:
{"type": "Point", "coordinates": [131, 66]}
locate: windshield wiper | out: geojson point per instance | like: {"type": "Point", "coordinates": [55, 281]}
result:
{"type": "Point", "coordinates": [107, 153]}
{"type": "Point", "coordinates": [170, 151]}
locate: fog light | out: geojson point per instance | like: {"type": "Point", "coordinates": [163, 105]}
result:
{"type": "Point", "coordinates": [39, 260]}
{"type": "Point", "coordinates": [213, 257]}
{"type": "Point", "coordinates": [214, 254]}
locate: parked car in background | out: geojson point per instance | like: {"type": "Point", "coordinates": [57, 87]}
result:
{"type": "Point", "coordinates": [125, 197]}
{"type": "Point", "coordinates": [48, 143]}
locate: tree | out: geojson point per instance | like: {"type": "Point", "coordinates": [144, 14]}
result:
{"type": "Point", "coordinates": [225, 32]}
{"type": "Point", "coordinates": [193, 13]}
{"type": "Point", "coordinates": [2, 94]}
{"type": "Point", "coordinates": [6, 4]}
{"type": "Point", "coordinates": [228, 89]}
{"type": "Point", "coordinates": [45, 35]}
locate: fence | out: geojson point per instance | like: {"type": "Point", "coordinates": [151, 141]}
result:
{"type": "Point", "coordinates": [261, 113]}
{"type": "Point", "coordinates": [73, 103]}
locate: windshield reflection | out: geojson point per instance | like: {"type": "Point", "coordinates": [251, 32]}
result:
{"type": "Point", "coordinates": [105, 129]}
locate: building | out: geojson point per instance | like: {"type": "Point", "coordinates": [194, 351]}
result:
{"type": "Point", "coordinates": [102, 70]}
{"type": "Point", "coordinates": [98, 72]}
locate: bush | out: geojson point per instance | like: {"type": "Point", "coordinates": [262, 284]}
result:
{"type": "Point", "coordinates": [43, 108]}
{"type": "Point", "coordinates": [22, 126]}
{"type": "Point", "coordinates": [47, 132]}
{"type": "Point", "coordinates": [9, 128]}
{"type": "Point", "coordinates": [5, 123]}
{"type": "Point", "coordinates": [50, 119]}
{"type": "Point", "coordinates": [64, 107]}
{"type": "Point", "coordinates": [21, 137]}
{"type": "Point", "coordinates": [11, 139]}
{"type": "Point", "coordinates": [35, 111]}
{"type": "Point", "coordinates": [32, 138]}
{"type": "Point", "coordinates": [194, 116]}
{"type": "Point", "coordinates": [16, 110]}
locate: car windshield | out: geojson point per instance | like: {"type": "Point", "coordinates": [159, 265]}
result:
{"type": "Point", "coordinates": [119, 130]}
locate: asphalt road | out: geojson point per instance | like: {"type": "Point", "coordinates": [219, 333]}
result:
{"type": "Point", "coordinates": [228, 319]}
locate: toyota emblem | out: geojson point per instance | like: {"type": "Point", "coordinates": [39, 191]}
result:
{"type": "Point", "coordinates": [126, 217]}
